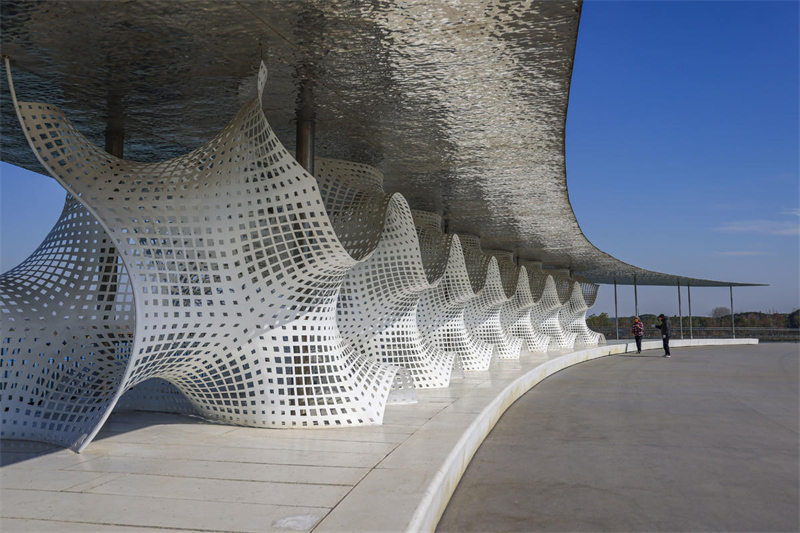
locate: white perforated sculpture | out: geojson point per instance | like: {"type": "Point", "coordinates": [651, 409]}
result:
{"type": "Point", "coordinates": [546, 314]}
{"type": "Point", "coordinates": [482, 314]}
{"type": "Point", "coordinates": [536, 338]}
{"type": "Point", "coordinates": [235, 268]}
{"type": "Point", "coordinates": [565, 339]}
{"type": "Point", "coordinates": [436, 249]}
{"type": "Point", "coordinates": [440, 312]}
{"type": "Point", "coordinates": [515, 314]}
{"type": "Point", "coordinates": [378, 301]}
{"type": "Point", "coordinates": [573, 314]}
{"type": "Point", "coordinates": [67, 331]}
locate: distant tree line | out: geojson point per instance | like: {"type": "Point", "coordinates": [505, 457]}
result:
{"type": "Point", "coordinates": [749, 319]}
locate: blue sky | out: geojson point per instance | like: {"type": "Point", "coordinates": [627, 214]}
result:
{"type": "Point", "coordinates": [682, 151]}
{"type": "Point", "coordinates": [682, 147]}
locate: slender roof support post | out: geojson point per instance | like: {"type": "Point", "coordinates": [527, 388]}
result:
{"type": "Point", "coordinates": [689, 292]}
{"type": "Point", "coordinates": [115, 145]}
{"type": "Point", "coordinates": [680, 311]}
{"type": "Point", "coordinates": [616, 311]}
{"type": "Point", "coordinates": [635, 296]}
{"type": "Point", "coordinates": [305, 127]}
{"type": "Point", "coordinates": [115, 124]}
{"type": "Point", "coordinates": [733, 326]}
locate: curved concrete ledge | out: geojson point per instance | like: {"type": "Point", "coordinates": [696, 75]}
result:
{"type": "Point", "coordinates": [409, 492]}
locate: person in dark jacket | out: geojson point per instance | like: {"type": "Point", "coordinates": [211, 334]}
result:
{"type": "Point", "coordinates": [638, 332]}
{"type": "Point", "coordinates": [665, 333]}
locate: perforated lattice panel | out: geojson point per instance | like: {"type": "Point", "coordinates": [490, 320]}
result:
{"type": "Point", "coordinates": [358, 207]}
{"type": "Point", "coordinates": [434, 245]}
{"type": "Point", "coordinates": [440, 312]}
{"type": "Point", "coordinates": [236, 269]}
{"type": "Point", "coordinates": [355, 203]}
{"type": "Point", "coordinates": [574, 314]}
{"type": "Point", "coordinates": [378, 301]}
{"type": "Point", "coordinates": [536, 339]}
{"type": "Point", "coordinates": [67, 331]}
{"type": "Point", "coordinates": [561, 338]}
{"type": "Point", "coordinates": [515, 314]}
{"type": "Point", "coordinates": [545, 316]}
{"type": "Point", "coordinates": [482, 314]}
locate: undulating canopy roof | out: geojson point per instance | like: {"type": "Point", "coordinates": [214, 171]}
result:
{"type": "Point", "coordinates": [462, 106]}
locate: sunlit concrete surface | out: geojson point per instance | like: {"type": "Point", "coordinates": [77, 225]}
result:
{"type": "Point", "coordinates": [158, 472]}
{"type": "Point", "coordinates": [704, 441]}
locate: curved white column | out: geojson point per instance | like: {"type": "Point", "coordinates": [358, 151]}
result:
{"type": "Point", "coordinates": [536, 339]}
{"type": "Point", "coordinates": [574, 314]}
{"type": "Point", "coordinates": [378, 301]}
{"type": "Point", "coordinates": [236, 269]}
{"type": "Point", "coordinates": [565, 340]}
{"type": "Point", "coordinates": [67, 328]}
{"type": "Point", "coordinates": [482, 314]}
{"type": "Point", "coordinates": [440, 312]}
{"type": "Point", "coordinates": [515, 314]}
{"type": "Point", "coordinates": [546, 314]}
{"type": "Point", "coordinates": [436, 249]}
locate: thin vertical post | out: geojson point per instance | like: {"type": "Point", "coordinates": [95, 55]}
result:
{"type": "Point", "coordinates": [689, 292]}
{"type": "Point", "coordinates": [680, 312]}
{"type": "Point", "coordinates": [115, 116]}
{"type": "Point", "coordinates": [616, 310]}
{"type": "Point", "coordinates": [115, 145]}
{"type": "Point", "coordinates": [115, 136]}
{"type": "Point", "coordinates": [733, 326]}
{"type": "Point", "coordinates": [304, 151]}
{"type": "Point", "coordinates": [635, 296]}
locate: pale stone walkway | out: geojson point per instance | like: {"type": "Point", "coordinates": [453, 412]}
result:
{"type": "Point", "coordinates": [157, 472]}
{"type": "Point", "coordinates": [704, 441]}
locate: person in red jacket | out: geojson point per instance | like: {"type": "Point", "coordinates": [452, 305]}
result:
{"type": "Point", "coordinates": [638, 331]}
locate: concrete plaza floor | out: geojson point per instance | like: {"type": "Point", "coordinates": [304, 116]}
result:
{"type": "Point", "coordinates": [704, 441]}
{"type": "Point", "coordinates": [159, 472]}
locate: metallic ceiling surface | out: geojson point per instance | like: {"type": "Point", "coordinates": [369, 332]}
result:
{"type": "Point", "coordinates": [461, 105]}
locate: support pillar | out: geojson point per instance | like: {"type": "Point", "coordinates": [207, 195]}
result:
{"type": "Point", "coordinates": [115, 126]}
{"type": "Point", "coordinates": [680, 312]}
{"type": "Point", "coordinates": [616, 311]}
{"type": "Point", "coordinates": [689, 293]}
{"type": "Point", "coordinates": [115, 145]}
{"type": "Point", "coordinates": [733, 325]}
{"type": "Point", "coordinates": [305, 127]}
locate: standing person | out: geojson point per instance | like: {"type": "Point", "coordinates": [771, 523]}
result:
{"type": "Point", "coordinates": [665, 333]}
{"type": "Point", "coordinates": [638, 332]}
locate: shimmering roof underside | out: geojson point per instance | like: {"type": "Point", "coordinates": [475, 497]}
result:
{"type": "Point", "coordinates": [462, 106]}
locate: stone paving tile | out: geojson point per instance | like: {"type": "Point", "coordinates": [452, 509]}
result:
{"type": "Point", "coordinates": [276, 473]}
{"type": "Point", "coordinates": [143, 511]}
{"type": "Point", "coordinates": [241, 455]}
{"type": "Point", "coordinates": [33, 479]}
{"type": "Point", "coordinates": [15, 525]}
{"type": "Point", "coordinates": [223, 490]}
{"type": "Point", "coordinates": [395, 492]}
